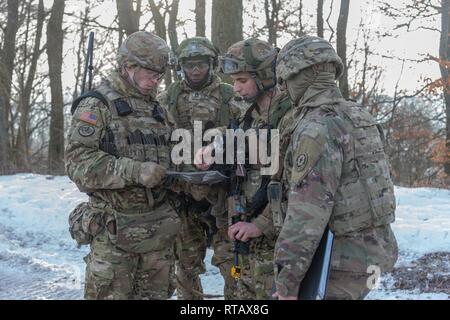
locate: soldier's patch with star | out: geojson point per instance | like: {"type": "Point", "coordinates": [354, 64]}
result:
{"type": "Point", "coordinates": [86, 131]}
{"type": "Point", "coordinates": [301, 162]}
{"type": "Point", "coordinates": [305, 157]}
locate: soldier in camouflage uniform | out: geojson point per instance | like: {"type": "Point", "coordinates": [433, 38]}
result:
{"type": "Point", "coordinates": [336, 174]}
{"type": "Point", "coordinates": [251, 64]}
{"type": "Point", "coordinates": [118, 152]}
{"type": "Point", "coordinates": [201, 96]}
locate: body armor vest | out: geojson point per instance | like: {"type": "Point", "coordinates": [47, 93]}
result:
{"type": "Point", "coordinates": [209, 107]}
{"type": "Point", "coordinates": [365, 195]}
{"type": "Point", "coordinates": [133, 132]}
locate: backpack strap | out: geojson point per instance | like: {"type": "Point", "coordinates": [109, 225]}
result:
{"type": "Point", "coordinates": [173, 91]}
{"type": "Point", "coordinates": [227, 93]}
{"type": "Point", "coordinates": [283, 106]}
{"type": "Point", "coordinates": [121, 105]}
{"type": "Point", "coordinates": [93, 94]}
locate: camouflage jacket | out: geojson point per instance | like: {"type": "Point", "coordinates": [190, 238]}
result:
{"type": "Point", "coordinates": [105, 149]}
{"type": "Point", "coordinates": [257, 120]}
{"type": "Point", "coordinates": [203, 105]}
{"type": "Point", "coordinates": [200, 105]}
{"type": "Point", "coordinates": [335, 173]}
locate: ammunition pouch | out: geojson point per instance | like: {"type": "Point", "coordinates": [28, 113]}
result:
{"type": "Point", "coordinates": [143, 232]}
{"type": "Point", "coordinates": [85, 222]}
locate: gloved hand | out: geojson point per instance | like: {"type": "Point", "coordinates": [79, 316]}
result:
{"type": "Point", "coordinates": [150, 174]}
{"type": "Point", "coordinates": [198, 192]}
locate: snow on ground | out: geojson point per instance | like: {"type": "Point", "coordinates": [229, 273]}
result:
{"type": "Point", "coordinates": [39, 259]}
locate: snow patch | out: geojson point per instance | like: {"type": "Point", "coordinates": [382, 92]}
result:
{"type": "Point", "coordinates": [39, 259]}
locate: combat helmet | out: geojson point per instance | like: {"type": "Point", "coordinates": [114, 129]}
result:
{"type": "Point", "coordinates": [144, 49]}
{"type": "Point", "coordinates": [255, 56]}
{"type": "Point", "coordinates": [304, 52]}
{"type": "Point", "coordinates": [197, 47]}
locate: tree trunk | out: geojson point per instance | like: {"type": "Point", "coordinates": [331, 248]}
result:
{"type": "Point", "coordinates": [160, 30]}
{"type": "Point", "coordinates": [341, 45]}
{"type": "Point", "coordinates": [320, 18]}
{"type": "Point", "coordinates": [200, 14]}
{"type": "Point", "coordinates": [22, 148]}
{"type": "Point", "coordinates": [444, 52]}
{"type": "Point", "coordinates": [226, 24]}
{"type": "Point", "coordinates": [128, 17]}
{"type": "Point", "coordinates": [301, 28]}
{"type": "Point", "coordinates": [7, 53]}
{"type": "Point", "coordinates": [271, 10]}
{"type": "Point", "coordinates": [172, 26]}
{"type": "Point", "coordinates": [55, 37]}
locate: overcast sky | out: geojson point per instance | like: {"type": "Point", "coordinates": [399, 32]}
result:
{"type": "Point", "coordinates": [405, 45]}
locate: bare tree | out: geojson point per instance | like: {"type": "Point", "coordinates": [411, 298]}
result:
{"type": "Point", "coordinates": [272, 11]}
{"type": "Point", "coordinates": [172, 26]}
{"type": "Point", "coordinates": [55, 36]}
{"type": "Point", "coordinates": [226, 24]}
{"type": "Point", "coordinates": [413, 15]}
{"type": "Point", "coordinates": [341, 45]}
{"type": "Point", "coordinates": [7, 54]}
{"type": "Point", "coordinates": [128, 16]}
{"type": "Point", "coordinates": [200, 13]}
{"type": "Point", "coordinates": [284, 17]}
{"type": "Point", "coordinates": [160, 13]}
{"type": "Point", "coordinates": [444, 53]}
{"type": "Point", "coordinates": [320, 18]}
{"type": "Point", "coordinates": [26, 85]}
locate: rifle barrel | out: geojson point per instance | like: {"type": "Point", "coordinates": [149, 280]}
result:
{"type": "Point", "coordinates": [88, 64]}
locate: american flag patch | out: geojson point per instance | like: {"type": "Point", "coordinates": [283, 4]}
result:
{"type": "Point", "coordinates": [89, 118]}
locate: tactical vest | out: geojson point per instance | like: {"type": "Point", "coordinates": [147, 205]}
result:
{"type": "Point", "coordinates": [365, 195]}
{"type": "Point", "coordinates": [254, 181]}
{"type": "Point", "coordinates": [133, 132]}
{"type": "Point", "coordinates": [183, 113]}
{"type": "Point", "coordinates": [275, 116]}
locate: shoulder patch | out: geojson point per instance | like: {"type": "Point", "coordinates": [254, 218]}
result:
{"type": "Point", "coordinates": [86, 131]}
{"type": "Point", "coordinates": [306, 156]}
{"type": "Point", "coordinates": [301, 162]}
{"type": "Point", "coordinates": [88, 117]}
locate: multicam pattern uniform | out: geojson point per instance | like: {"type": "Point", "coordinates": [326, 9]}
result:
{"type": "Point", "coordinates": [257, 271]}
{"type": "Point", "coordinates": [202, 105]}
{"type": "Point", "coordinates": [335, 174]}
{"type": "Point", "coordinates": [131, 252]}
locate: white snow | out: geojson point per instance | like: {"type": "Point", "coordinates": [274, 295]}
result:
{"type": "Point", "coordinates": [39, 259]}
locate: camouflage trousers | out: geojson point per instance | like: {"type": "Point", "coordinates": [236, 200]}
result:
{"type": "Point", "coordinates": [112, 273]}
{"type": "Point", "coordinates": [257, 271]}
{"type": "Point", "coordinates": [346, 285]}
{"type": "Point", "coordinates": [190, 252]}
